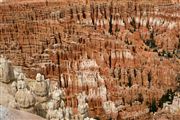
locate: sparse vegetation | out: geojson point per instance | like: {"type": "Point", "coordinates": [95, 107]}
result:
{"type": "Point", "coordinates": [133, 23]}
{"type": "Point", "coordinates": [167, 97]}
{"type": "Point", "coordinates": [129, 81]}
{"type": "Point", "coordinates": [153, 106]}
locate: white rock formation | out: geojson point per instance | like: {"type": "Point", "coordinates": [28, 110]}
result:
{"type": "Point", "coordinates": [121, 23]}
{"type": "Point", "coordinates": [24, 98]}
{"type": "Point", "coordinates": [6, 70]}
{"type": "Point", "coordinates": [110, 107]}
{"type": "Point", "coordinates": [5, 94]}
{"type": "Point", "coordinates": [82, 105]}
{"type": "Point", "coordinates": [103, 92]}
{"type": "Point", "coordinates": [174, 107]}
{"type": "Point", "coordinates": [88, 63]}
{"type": "Point", "coordinates": [92, 93]}
{"type": "Point", "coordinates": [56, 106]}
{"type": "Point", "coordinates": [41, 88]}
{"type": "Point", "coordinates": [128, 55]}
{"type": "Point", "coordinates": [87, 118]}
{"type": "Point", "coordinates": [87, 78]}
{"type": "Point", "coordinates": [19, 83]}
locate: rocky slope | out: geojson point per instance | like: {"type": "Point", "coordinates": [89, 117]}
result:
{"type": "Point", "coordinates": [120, 55]}
{"type": "Point", "coordinates": [12, 114]}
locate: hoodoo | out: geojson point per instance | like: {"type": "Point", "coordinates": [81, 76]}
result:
{"type": "Point", "coordinates": [90, 59]}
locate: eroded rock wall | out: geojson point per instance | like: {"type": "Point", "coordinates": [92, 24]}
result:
{"type": "Point", "coordinates": [115, 52]}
